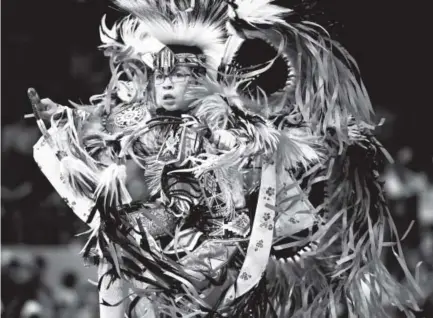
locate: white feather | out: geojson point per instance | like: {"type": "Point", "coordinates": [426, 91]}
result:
{"type": "Point", "coordinates": [259, 12]}
{"type": "Point", "coordinates": [108, 36]}
{"type": "Point", "coordinates": [112, 185]}
{"type": "Point", "coordinates": [79, 176]}
{"type": "Point", "coordinates": [136, 35]}
{"type": "Point", "coordinates": [299, 148]}
{"type": "Point", "coordinates": [151, 20]}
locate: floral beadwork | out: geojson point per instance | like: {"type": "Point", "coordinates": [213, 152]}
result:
{"type": "Point", "coordinates": [61, 154]}
{"type": "Point", "coordinates": [267, 222]}
{"type": "Point", "coordinates": [293, 220]}
{"type": "Point", "coordinates": [259, 245]}
{"type": "Point", "coordinates": [245, 276]}
{"type": "Point", "coordinates": [69, 203]}
{"type": "Point", "coordinates": [270, 191]}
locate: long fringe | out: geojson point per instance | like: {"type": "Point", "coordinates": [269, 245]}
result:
{"type": "Point", "coordinates": [346, 266]}
{"type": "Point", "coordinates": [328, 88]}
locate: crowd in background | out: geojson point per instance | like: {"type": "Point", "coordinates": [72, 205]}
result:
{"type": "Point", "coordinates": [26, 293]}
{"type": "Point", "coordinates": [70, 67]}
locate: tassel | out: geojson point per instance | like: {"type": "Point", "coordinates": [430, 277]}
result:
{"type": "Point", "coordinates": [112, 186]}
{"type": "Point", "coordinates": [80, 177]}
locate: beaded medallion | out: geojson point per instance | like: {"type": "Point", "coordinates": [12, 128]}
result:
{"type": "Point", "coordinates": [124, 118]}
{"type": "Point", "coordinates": [130, 116]}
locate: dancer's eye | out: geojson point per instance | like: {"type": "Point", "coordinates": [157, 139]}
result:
{"type": "Point", "coordinates": [180, 76]}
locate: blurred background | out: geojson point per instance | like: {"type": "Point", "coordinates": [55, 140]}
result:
{"type": "Point", "coordinates": [51, 45]}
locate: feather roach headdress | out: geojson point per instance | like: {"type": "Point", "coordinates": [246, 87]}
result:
{"type": "Point", "coordinates": [164, 34]}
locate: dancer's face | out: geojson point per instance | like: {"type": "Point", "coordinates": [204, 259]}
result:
{"type": "Point", "coordinates": [170, 89]}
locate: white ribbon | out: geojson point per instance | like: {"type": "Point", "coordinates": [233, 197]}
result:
{"type": "Point", "coordinates": [261, 238]}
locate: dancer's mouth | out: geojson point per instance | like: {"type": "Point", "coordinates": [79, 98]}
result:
{"type": "Point", "coordinates": [168, 97]}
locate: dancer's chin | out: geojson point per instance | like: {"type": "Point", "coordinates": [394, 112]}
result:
{"type": "Point", "coordinates": [170, 104]}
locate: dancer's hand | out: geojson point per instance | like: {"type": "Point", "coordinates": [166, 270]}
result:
{"type": "Point", "coordinates": [45, 107]}
{"type": "Point", "coordinates": [223, 139]}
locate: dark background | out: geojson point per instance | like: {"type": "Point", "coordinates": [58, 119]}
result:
{"type": "Point", "coordinates": [51, 45]}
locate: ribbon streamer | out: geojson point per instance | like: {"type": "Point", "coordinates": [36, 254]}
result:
{"type": "Point", "coordinates": [261, 238]}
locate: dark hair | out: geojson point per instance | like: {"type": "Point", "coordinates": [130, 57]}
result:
{"type": "Point", "coordinates": [178, 48]}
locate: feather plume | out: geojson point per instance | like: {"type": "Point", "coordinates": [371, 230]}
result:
{"type": "Point", "coordinates": [112, 186]}
{"type": "Point", "coordinates": [220, 104]}
{"type": "Point", "coordinates": [258, 12]}
{"type": "Point", "coordinates": [212, 100]}
{"type": "Point", "coordinates": [298, 148]}
{"type": "Point", "coordinates": [80, 177]}
{"type": "Point", "coordinates": [201, 26]}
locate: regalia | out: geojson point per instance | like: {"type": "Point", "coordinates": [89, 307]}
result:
{"type": "Point", "coordinates": [262, 199]}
